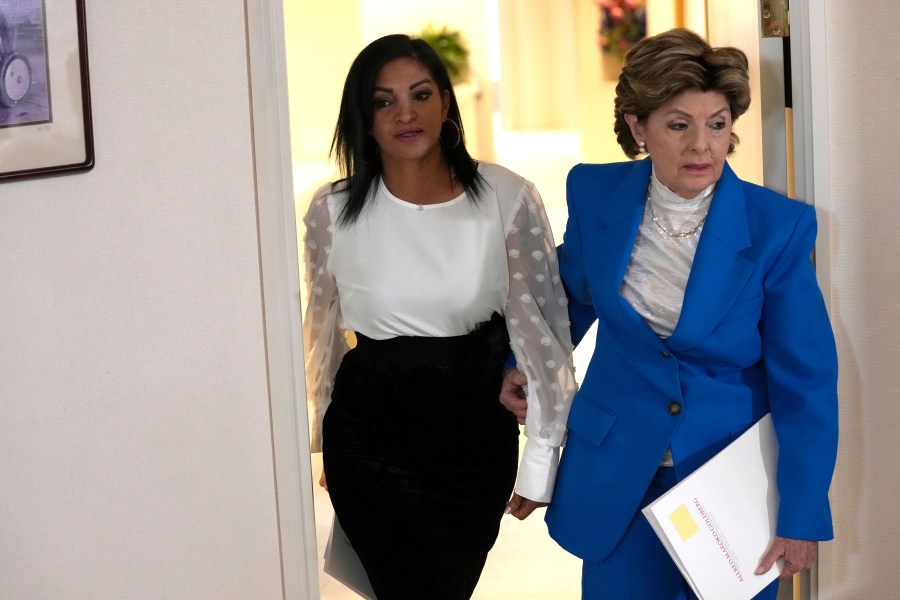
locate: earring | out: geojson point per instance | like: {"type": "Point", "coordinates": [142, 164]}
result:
{"type": "Point", "coordinates": [458, 133]}
{"type": "Point", "coordinates": [642, 147]}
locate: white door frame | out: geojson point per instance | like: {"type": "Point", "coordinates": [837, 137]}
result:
{"type": "Point", "coordinates": [279, 261]}
{"type": "Point", "coordinates": [811, 161]}
{"type": "Point", "coordinates": [811, 155]}
{"type": "Point", "coordinates": [280, 274]}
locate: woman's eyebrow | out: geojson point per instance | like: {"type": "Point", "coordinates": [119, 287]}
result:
{"type": "Point", "coordinates": [391, 90]}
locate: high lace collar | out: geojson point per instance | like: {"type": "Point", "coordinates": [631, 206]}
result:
{"type": "Point", "coordinates": [665, 198]}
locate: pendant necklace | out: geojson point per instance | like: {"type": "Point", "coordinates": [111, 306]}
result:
{"type": "Point", "coordinates": [674, 234]}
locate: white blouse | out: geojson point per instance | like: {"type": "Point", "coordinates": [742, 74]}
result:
{"type": "Point", "coordinates": [438, 270]}
{"type": "Point", "coordinates": [661, 260]}
{"type": "Point", "coordinates": [409, 270]}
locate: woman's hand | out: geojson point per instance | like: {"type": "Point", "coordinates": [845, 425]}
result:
{"type": "Point", "coordinates": [799, 555]}
{"type": "Point", "coordinates": [520, 507]}
{"type": "Point", "coordinates": [512, 395]}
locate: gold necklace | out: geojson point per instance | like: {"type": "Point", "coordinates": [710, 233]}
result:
{"type": "Point", "coordinates": [675, 234]}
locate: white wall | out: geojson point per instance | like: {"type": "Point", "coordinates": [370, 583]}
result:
{"type": "Point", "coordinates": [864, 143]}
{"type": "Point", "coordinates": [135, 444]}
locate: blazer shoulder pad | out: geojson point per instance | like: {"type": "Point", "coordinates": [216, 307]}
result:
{"type": "Point", "coordinates": [598, 174]}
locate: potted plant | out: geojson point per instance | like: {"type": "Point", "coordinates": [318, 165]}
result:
{"type": "Point", "coordinates": [452, 49]}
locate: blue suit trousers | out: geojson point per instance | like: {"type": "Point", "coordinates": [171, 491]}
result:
{"type": "Point", "coordinates": [639, 567]}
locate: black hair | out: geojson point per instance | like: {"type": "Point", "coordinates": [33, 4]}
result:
{"type": "Point", "coordinates": [355, 149]}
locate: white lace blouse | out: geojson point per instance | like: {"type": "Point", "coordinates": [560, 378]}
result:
{"type": "Point", "coordinates": [663, 254]}
{"type": "Point", "coordinates": [438, 270]}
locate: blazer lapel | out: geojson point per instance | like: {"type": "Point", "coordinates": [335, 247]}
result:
{"type": "Point", "coordinates": [616, 231]}
{"type": "Point", "coordinates": [719, 272]}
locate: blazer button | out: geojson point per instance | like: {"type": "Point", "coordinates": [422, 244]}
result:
{"type": "Point", "coordinates": [665, 354]}
{"type": "Point", "coordinates": [674, 409]}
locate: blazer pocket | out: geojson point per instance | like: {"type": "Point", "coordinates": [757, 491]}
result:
{"type": "Point", "coordinates": [745, 309]}
{"type": "Point", "coordinates": [590, 421]}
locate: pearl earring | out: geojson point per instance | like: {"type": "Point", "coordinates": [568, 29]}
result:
{"type": "Point", "coordinates": [642, 148]}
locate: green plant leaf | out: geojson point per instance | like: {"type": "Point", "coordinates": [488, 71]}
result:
{"type": "Point", "coordinates": [451, 47]}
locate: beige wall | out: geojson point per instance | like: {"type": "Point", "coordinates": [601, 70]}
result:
{"type": "Point", "coordinates": [736, 24]}
{"type": "Point", "coordinates": [596, 89]}
{"type": "Point", "coordinates": [135, 444]}
{"type": "Point", "coordinates": [538, 84]}
{"type": "Point", "coordinates": [864, 140]}
{"type": "Point", "coordinates": [321, 40]}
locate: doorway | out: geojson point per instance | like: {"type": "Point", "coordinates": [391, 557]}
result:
{"type": "Point", "coordinates": [525, 561]}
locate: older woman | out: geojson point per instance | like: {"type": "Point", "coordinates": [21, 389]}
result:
{"type": "Point", "coordinates": [709, 317]}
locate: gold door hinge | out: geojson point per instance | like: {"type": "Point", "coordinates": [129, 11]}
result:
{"type": "Point", "coordinates": [776, 18]}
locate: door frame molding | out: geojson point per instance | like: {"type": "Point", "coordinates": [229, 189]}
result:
{"type": "Point", "coordinates": [279, 262]}
{"type": "Point", "coordinates": [809, 84]}
{"type": "Point", "coordinates": [811, 152]}
{"type": "Point", "coordinates": [280, 280]}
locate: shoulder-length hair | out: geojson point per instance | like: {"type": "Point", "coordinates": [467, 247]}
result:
{"type": "Point", "coordinates": [356, 151]}
{"type": "Point", "coordinates": [660, 67]}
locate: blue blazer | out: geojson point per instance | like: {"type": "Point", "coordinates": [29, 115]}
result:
{"type": "Point", "coordinates": [753, 337]}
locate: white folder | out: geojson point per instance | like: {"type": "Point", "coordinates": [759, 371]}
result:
{"type": "Point", "coordinates": [342, 563]}
{"type": "Point", "coordinates": [720, 520]}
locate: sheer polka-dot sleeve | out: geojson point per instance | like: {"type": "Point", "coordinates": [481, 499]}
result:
{"type": "Point", "coordinates": [538, 321]}
{"type": "Point", "coordinates": [323, 339]}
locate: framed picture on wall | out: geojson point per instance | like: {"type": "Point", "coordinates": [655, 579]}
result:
{"type": "Point", "coordinates": [45, 109]}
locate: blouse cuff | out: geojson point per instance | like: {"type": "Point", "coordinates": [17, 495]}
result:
{"type": "Point", "coordinates": [537, 471]}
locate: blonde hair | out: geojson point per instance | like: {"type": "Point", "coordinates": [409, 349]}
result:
{"type": "Point", "coordinates": [660, 67]}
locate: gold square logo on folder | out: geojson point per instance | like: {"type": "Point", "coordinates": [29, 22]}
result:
{"type": "Point", "coordinates": [684, 523]}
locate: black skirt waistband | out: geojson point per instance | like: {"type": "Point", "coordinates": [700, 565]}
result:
{"type": "Point", "coordinates": [489, 340]}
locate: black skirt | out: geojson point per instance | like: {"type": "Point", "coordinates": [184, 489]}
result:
{"type": "Point", "coordinates": [420, 459]}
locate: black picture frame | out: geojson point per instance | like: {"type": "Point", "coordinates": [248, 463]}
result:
{"type": "Point", "coordinates": [45, 105]}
